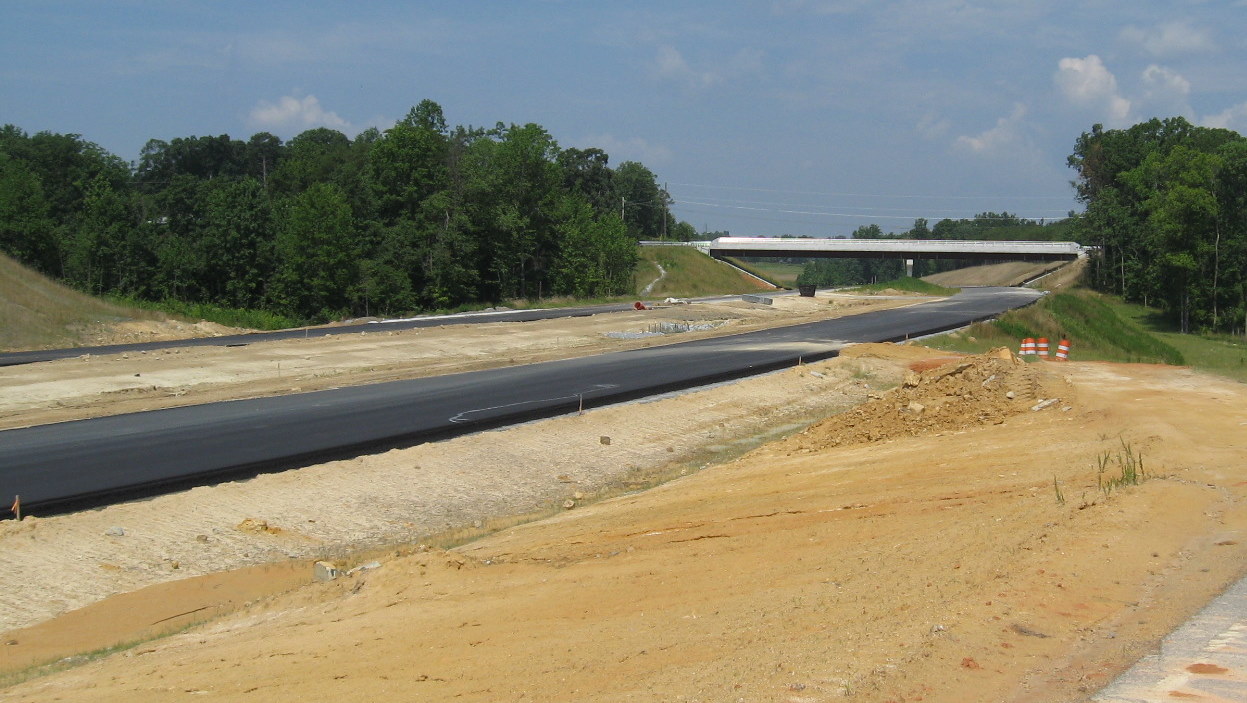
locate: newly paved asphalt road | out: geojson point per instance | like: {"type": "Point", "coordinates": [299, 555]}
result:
{"type": "Point", "coordinates": [93, 462]}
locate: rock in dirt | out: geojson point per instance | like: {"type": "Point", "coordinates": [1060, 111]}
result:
{"type": "Point", "coordinates": [257, 527]}
{"type": "Point", "coordinates": [325, 571]}
{"type": "Point", "coordinates": [115, 532]}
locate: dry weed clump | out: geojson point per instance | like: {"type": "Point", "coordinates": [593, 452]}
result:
{"type": "Point", "coordinates": [979, 390]}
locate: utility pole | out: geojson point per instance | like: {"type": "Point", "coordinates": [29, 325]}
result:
{"type": "Point", "coordinates": [664, 211]}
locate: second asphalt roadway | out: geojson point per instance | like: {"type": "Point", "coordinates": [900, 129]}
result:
{"type": "Point", "coordinates": [86, 463]}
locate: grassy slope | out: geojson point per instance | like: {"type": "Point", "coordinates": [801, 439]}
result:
{"type": "Point", "coordinates": [776, 272]}
{"type": "Point", "coordinates": [1220, 354]}
{"type": "Point", "coordinates": [689, 273]}
{"type": "Point", "coordinates": [1102, 328]}
{"type": "Point", "coordinates": [38, 313]}
{"type": "Point", "coordinates": [906, 284]}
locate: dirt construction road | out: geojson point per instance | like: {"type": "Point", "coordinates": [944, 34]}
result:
{"type": "Point", "coordinates": [950, 539]}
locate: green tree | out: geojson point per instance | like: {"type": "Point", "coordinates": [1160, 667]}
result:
{"type": "Point", "coordinates": [315, 254]}
{"type": "Point", "coordinates": [643, 205]}
{"type": "Point", "coordinates": [237, 240]}
{"type": "Point", "coordinates": [319, 155]}
{"type": "Point", "coordinates": [26, 227]}
{"type": "Point", "coordinates": [596, 256]}
{"type": "Point", "coordinates": [586, 172]}
{"type": "Point", "coordinates": [1161, 216]}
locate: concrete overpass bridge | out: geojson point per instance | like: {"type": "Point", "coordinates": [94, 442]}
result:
{"type": "Point", "coordinates": [908, 249]}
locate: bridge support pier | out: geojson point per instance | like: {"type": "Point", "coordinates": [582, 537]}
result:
{"type": "Point", "coordinates": [909, 268]}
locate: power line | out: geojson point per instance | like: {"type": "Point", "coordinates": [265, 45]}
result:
{"type": "Point", "coordinates": [878, 195]}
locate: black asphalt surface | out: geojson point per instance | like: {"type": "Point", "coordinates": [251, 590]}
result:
{"type": "Point", "coordinates": [94, 462]}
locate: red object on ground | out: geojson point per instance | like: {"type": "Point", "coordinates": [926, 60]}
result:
{"type": "Point", "coordinates": [639, 305]}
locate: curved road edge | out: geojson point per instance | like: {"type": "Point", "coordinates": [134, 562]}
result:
{"type": "Point", "coordinates": [87, 463]}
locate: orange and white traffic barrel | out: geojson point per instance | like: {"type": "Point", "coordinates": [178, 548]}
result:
{"type": "Point", "coordinates": [1062, 350]}
{"type": "Point", "coordinates": [1043, 347]}
{"type": "Point", "coordinates": [1028, 347]}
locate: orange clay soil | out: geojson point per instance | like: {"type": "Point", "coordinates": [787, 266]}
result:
{"type": "Point", "coordinates": [942, 542]}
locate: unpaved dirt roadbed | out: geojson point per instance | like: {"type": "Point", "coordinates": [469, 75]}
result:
{"type": "Point", "coordinates": [940, 542]}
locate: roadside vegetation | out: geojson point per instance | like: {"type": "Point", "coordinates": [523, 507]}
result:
{"type": "Point", "coordinates": [1102, 328]}
{"type": "Point", "coordinates": [906, 284]}
{"type": "Point", "coordinates": [38, 313]}
{"type": "Point", "coordinates": [230, 317]}
{"type": "Point", "coordinates": [778, 272]}
{"type": "Point", "coordinates": [690, 273]}
{"type": "Point", "coordinates": [1165, 201]}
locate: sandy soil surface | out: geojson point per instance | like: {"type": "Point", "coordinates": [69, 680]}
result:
{"type": "Point", "coordinates": [93, 385]}
{"type": "Point", "coordinates": [138, 331]}
{"type": "Point", "coordinates": [946, 540]}
{"type": "Point", "coordinates": [1008, 273]}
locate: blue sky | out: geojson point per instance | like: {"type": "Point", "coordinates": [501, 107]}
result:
{"type": "Point", "coordinates": [789, 116]}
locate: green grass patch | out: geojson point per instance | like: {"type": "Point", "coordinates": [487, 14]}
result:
{"type": "Point", "coordinates": [1215, 353]}
{"type": "Point", "coordinates": [1130, 469]}
{"type": "Point", "coordinates": [776, 272]}
{"type": "Point", "coordinates": [690, 273]}
{"type": "Point", "coordinates": [1092, 322]}
{"type": "Point", "coordinates": [906, 284]}
{"type": "Point", "coordinates": [230, 317]}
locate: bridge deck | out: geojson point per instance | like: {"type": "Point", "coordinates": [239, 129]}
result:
{"type": "Point", "coordinates": [895, 248]}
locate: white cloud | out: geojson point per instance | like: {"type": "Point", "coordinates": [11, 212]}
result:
{"type": "Point", "coordinates": [1165, 92]}
{"type": "Point", "coordinates": [291, 113]}
{"type": "Point", "coordinates": [1234, 118]}
{"type": "Point", "coordinates": [1161, 80]}
{"type": "Point", "coordinates": [1088, 84]}
{"type": "Point", "coordinates": [1005, 137]}
{"type": "Point", "coordinates": [1169, 39]}
{"type": "Point", "coordinates": [671, 65]}
{"type": "Point", "coordinates": [632, 149]}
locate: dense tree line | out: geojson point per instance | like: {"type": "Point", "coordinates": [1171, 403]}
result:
{"type": "Point", "coordinates": [1166, 205]}
{"type": "Point", "coordinates": [990, 226]}
{"type": "Point", "coordinates": [420, 216]}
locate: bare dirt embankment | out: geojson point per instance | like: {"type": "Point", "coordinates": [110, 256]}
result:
{"type": "Point", "coordinates": [1008, 273]}
{"type": "Point", "coordinates": [943, 541]}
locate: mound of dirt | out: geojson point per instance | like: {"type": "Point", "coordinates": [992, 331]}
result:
{"type": "Point", "coordinates": [936, 397]}
{"type": "Point", "coordinates": [135, 331]}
